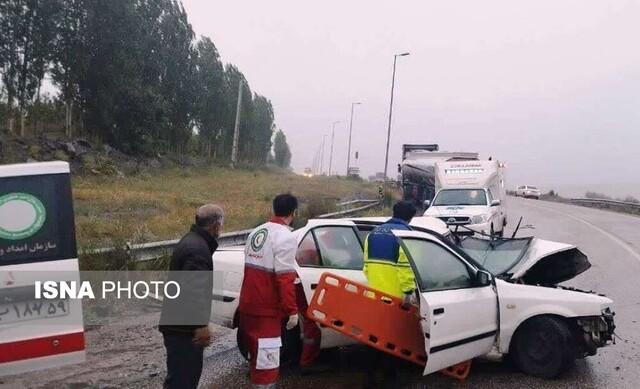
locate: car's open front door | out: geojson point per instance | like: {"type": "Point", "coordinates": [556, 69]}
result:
{"type": "Point", "coordinates": [425, 324]}
{"type": "Point", "coordinates": [457, 307]}
{"type": "Point", "coordinates": [330, 247]}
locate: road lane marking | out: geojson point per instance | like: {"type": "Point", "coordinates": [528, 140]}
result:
{"type": "Point", "coordinates": [606, 233]}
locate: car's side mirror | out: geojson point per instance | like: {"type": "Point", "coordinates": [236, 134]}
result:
{"type": "Point", "coordinates": [426, 203]}
{"type": "Point", "coordinates": [483, 278]}
{"type": "Point", "coordinates": [495, 203]}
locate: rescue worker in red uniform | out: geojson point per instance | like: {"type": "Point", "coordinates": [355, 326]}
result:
{"type": "Point", "coordinates": [268, 295]}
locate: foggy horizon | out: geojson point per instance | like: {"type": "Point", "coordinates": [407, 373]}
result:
{"type": "Point", "coordinates": [548, 87]}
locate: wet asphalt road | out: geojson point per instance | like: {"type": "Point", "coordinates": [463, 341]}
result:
{"type": "Point", "coordinates": [612, 242]}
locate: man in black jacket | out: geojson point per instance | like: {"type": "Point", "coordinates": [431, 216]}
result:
{"type": "Point", "coordinates": [184, 321]}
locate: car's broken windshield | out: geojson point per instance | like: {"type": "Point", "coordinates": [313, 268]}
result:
{"type": "Point", "coordinates": [448, 197]}
{"type": "Point", "coordinates": [497, 256]}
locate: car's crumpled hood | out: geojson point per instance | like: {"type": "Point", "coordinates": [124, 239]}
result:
{"type": "Point", "coordinates": [531, 260]}
{"type": "Point", "coordinates": [548, 263]}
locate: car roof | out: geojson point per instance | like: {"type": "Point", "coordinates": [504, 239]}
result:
{"type": "Point", "coordinates": [423, 222]}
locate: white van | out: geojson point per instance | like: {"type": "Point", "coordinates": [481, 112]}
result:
{"type": "Point", "coordinates": [470, 196]}
{"type": "Point", "coordinates": [37, 241]}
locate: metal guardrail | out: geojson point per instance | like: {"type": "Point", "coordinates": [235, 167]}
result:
{"type": "Point", "coordinates": [349, 212]}
{"type": "Point", "coordinates": [154, 250]}
{"type": "Point", "coordinates": [149, 251]}
{"type": "Point", "coordinates": [605, 202]}
{"type": "Point", "coordinates": [357, 202]}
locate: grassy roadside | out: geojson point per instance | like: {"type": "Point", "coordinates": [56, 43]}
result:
{"type": "Point", "coordinates": [146, 208]}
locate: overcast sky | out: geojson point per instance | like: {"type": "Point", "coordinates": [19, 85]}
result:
{"type": "Point", "coordinates": [550, 87]}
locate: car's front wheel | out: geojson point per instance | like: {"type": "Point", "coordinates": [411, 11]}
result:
{"type": "Point", "coordinates": [543, 347]}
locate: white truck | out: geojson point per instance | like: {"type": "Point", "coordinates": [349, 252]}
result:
{"type": "Point", "coordinates": [477, 296]}
{"type": "Point", "coordinates": [470, 196]}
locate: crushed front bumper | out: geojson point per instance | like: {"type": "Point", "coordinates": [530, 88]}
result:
{"type": "Point", "coordinates": [596, 332]}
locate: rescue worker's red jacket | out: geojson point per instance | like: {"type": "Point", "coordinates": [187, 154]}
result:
{"type": "Point", "coordinates": [269, 274]}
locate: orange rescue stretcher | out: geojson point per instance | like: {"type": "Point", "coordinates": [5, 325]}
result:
{"type": "Point", "coordinates": [374, 318]}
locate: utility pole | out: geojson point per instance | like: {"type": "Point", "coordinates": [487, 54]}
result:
{"type": "Point", "coordinates": [349, 148]}
{"type": "Point", "coordinates": [393, 81]}
{"type": "Point", "coordinates": [333, 129]}
{"type": "Point", "coordinates": [236, 129]}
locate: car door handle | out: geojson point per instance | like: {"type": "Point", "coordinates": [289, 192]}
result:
{"type": "Point", "coordinates": [438, 311]}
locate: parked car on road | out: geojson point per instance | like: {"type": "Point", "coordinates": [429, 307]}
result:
{"type": "Point", "coordinates": [477, 296]}
{"type": "Point", "coordinates": [528, 192]}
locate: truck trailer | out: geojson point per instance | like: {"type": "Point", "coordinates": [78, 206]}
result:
{"type": "Point", "coordinates": [417, 170]}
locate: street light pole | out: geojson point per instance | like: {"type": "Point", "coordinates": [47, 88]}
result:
{"type": "Point", "coordinates": [350, 129]}
{"type": "Point", "coordinates": [393, 81]}
{"type": "Point", "coordinates": [324, 138]}
{"type": "Point", "coordinates": [333, 128]}
{"type": "Point", "coordinates": [316, 159]}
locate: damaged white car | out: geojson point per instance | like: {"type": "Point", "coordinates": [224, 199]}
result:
{"type": "Point", "coordinates": [477, 296]}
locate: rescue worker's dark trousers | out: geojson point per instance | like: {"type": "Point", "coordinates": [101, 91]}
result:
{"type": "Point", "coordinates": [388, 365]}
{"type": "Point", "coordinates": [184, 361]}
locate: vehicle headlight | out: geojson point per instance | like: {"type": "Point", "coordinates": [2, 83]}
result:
{"type": "Point", "coordinates": [478, 219]}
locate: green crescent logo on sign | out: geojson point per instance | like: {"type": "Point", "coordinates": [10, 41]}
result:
{"type": "Point", "coordinates": [258, 239]}
{"type": "Point", "coordinates": [21, 216]}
